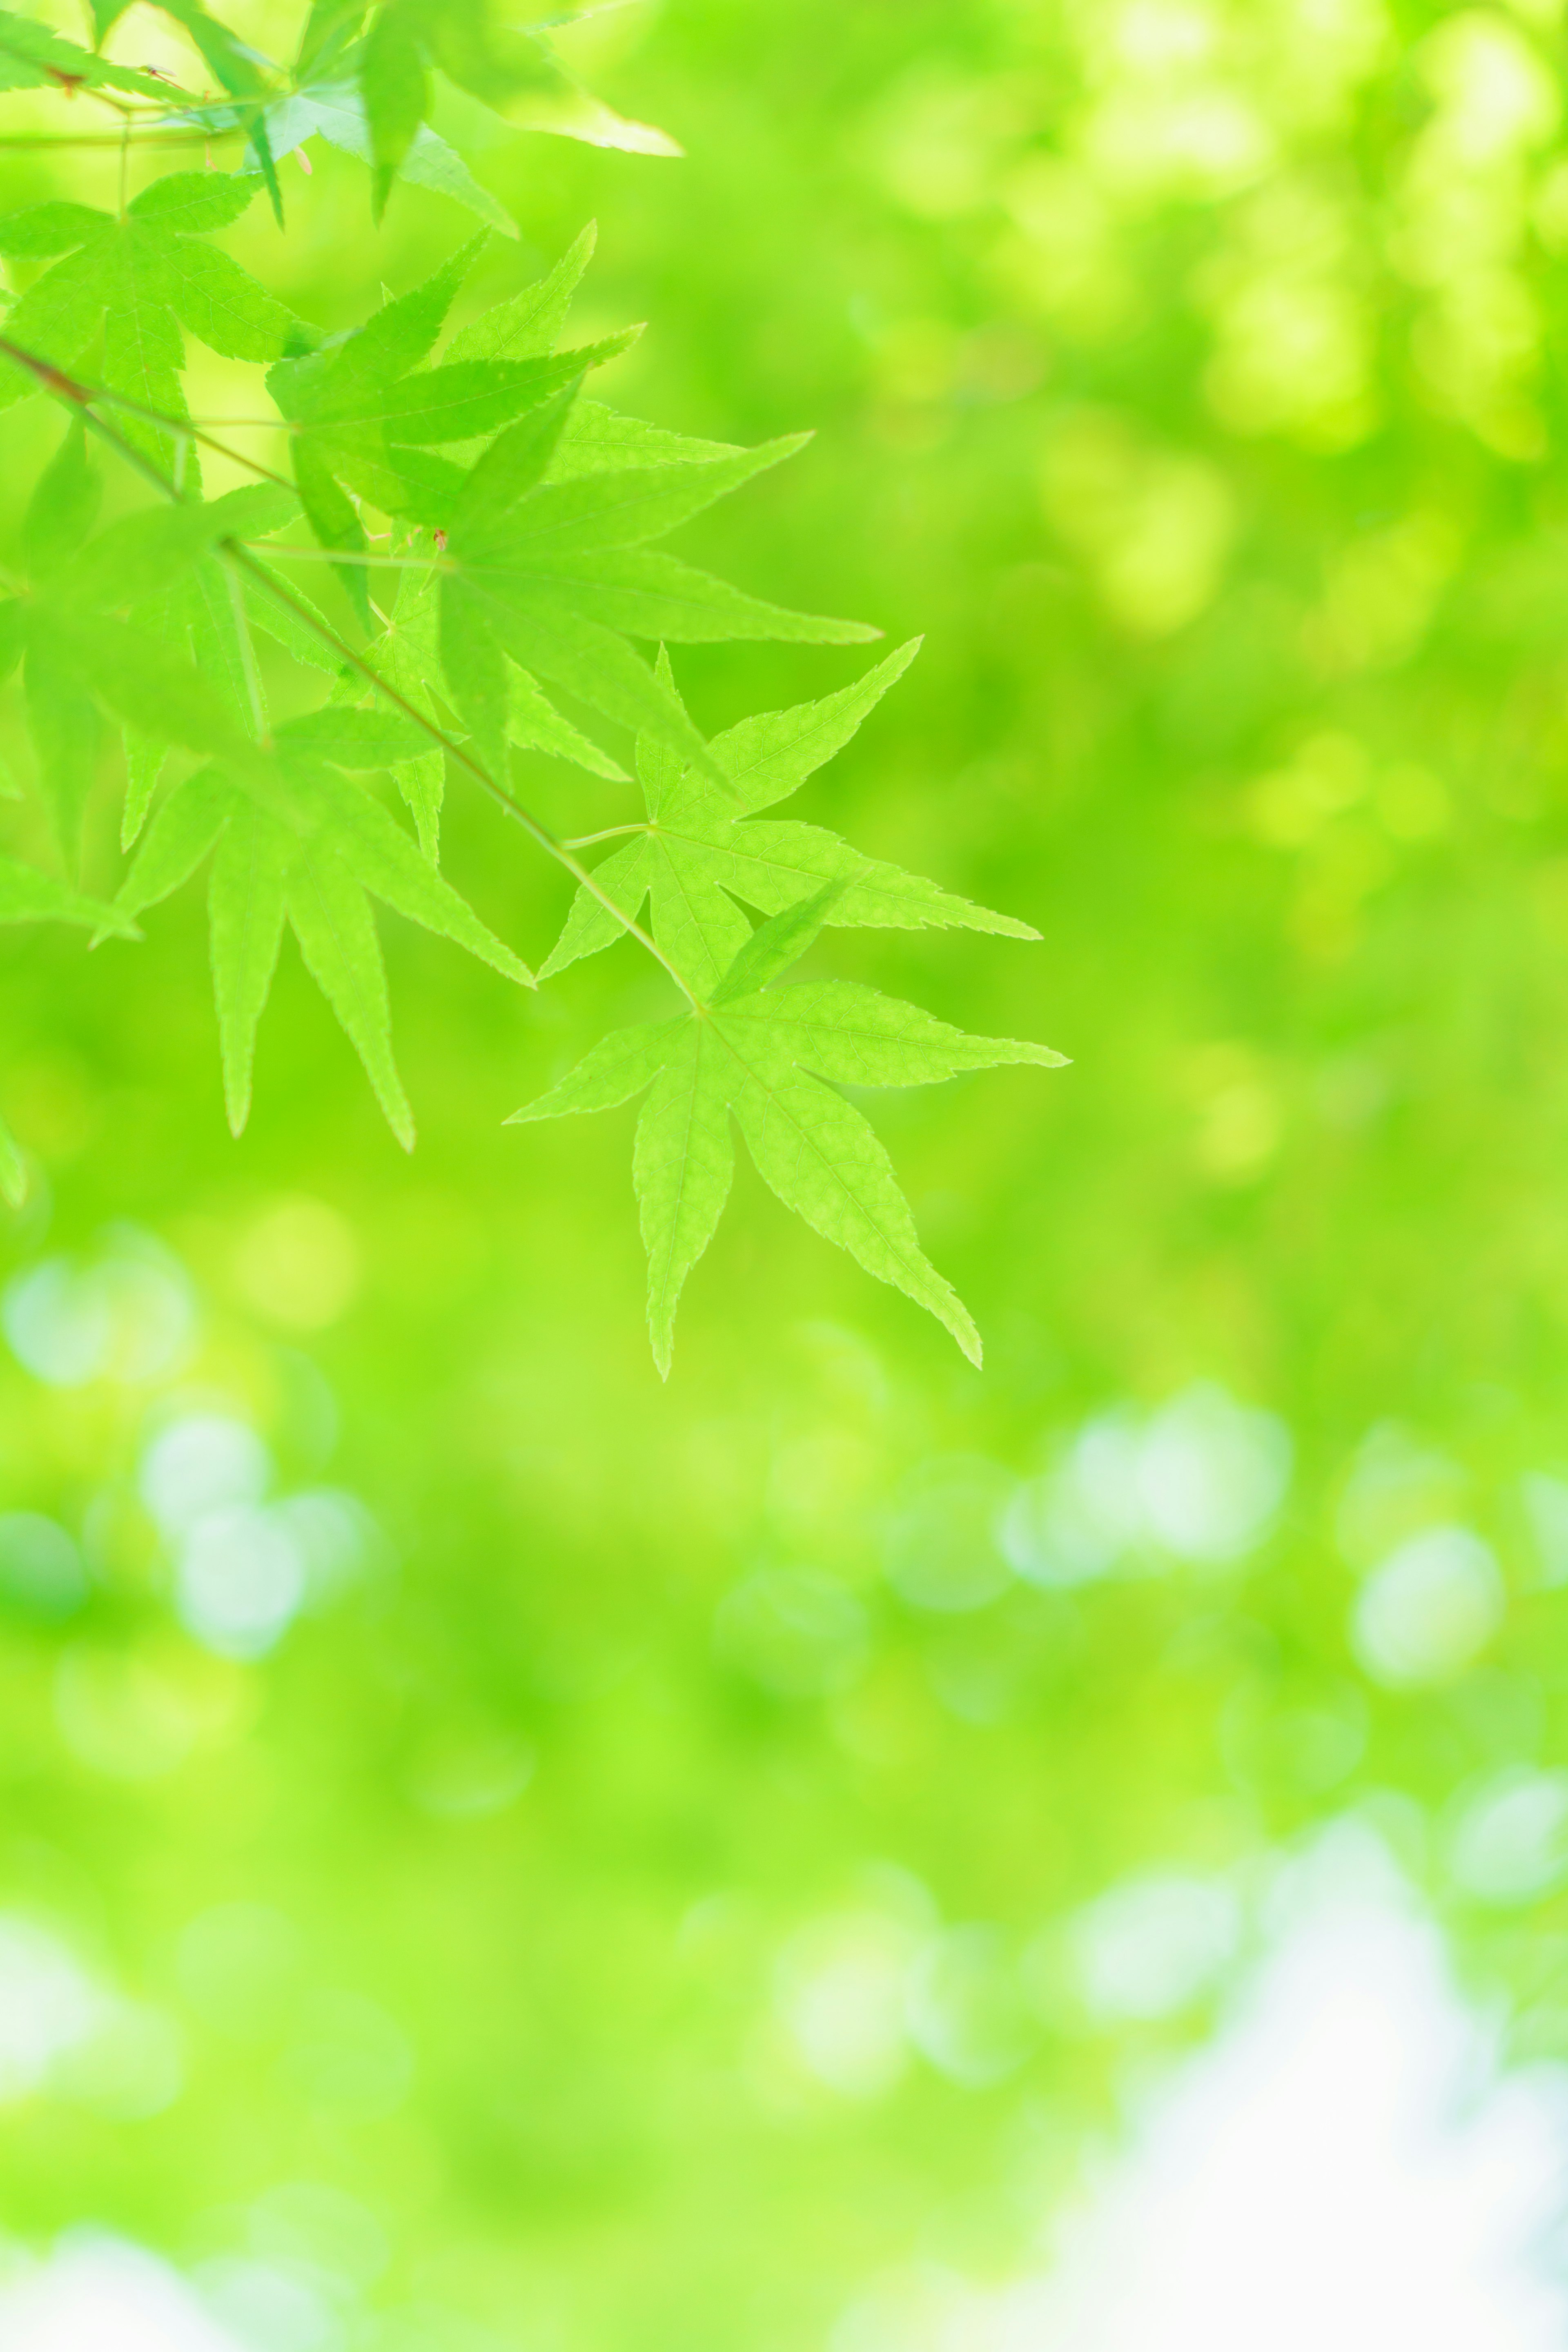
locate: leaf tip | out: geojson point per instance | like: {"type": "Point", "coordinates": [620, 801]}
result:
{"type": "Point", "coordinates": [962, 1325]}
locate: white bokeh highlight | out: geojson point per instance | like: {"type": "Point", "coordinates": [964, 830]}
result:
{"type": "Point", "coordinates": [1347, 2168]}
{"type": "Point", "coordinates": [1200, 1481]}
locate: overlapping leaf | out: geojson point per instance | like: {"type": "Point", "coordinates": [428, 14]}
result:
{"type": "Point", "coordinates": [293, 839]}
{"type": "Point", "coordinates": [547, 569]}
{"type": "Point", "coordinates": [368, 79]}
{"type": "Point", "coordinates": [239, 69]}
{"type": "Point", "coordinates": [407, 653]}
{"type": "Point", "coordinates": [311, 852]}
{"type": "Point", "coordinates": [703, 848]}
{"type": "Point", "coordinates": [409, 42]}
{"type": "Point", "coordinates": [74, 653]}
{"type": "Point", "coordinates": [368, 416]}
{"type": "Point", "coordinates": [408, 656]}
{"type": "Point", "coordinates": [34, 57]}
{"type": "Point", "coordinates": [542, 570]}
{"type": "Point", "coordinates": [558, 575]}
{"type": "Point", "coordinates": [336, 110]}
{"type": "Point", "coordinates": [120, 294]}
{"type": "Point", "coordinates": [759, 1054]}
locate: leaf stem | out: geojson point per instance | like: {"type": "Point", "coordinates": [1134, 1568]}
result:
{"type": "Point", "coordinates": [610, 833]}
{"type": "Point", "coordinates": [80, 397]}
{"type": "Point", "coordinates": [247, 648]}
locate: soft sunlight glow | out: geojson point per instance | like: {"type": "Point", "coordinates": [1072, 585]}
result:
{"type": "Point", "coordinates": [49, 2005]}
{"type": "Point", "coordinates": [129, 1314]}
{"type": "Point", "coordinates": [99, 2295]}
{"type": "Point", "coordinates": [1200, 1480]}
{"type": "Point", "coordinates": [1346, 2166]}
{"type": "Point", "coordinates": [1151, 1945]}
{"type": "Point", "coordinates": [1430, 1609]}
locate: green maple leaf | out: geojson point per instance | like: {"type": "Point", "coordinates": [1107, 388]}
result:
{"type": "Point", "coordinates": [333, 107]}
{"type": "Point", "coordinates": [292, 838]}
{"type": "Point", "coordinates": [409, 44]}
{"type": "Point", "coordinates": [75, 654]}
{"type": "Point", "coordinates": [561, 440]}
{"type": "Point", "coordinates": [501, 702]}
{"type": "Point", "coordinates": [244, 73]}
{"type": "Point", "coordinates": [591, 439]}
{"type": "Point", "coordinates": [368, 416]}
{"type": "Point", "coordinates": [408, 656]}
{"type": "Point", "coordinates": [34, 57]}
{"type": "Point", "coordinates": [558, 574]}
{"type": "Point", "coordinates": [311, 851]}
{"type": "Point", "coordinates": [702, 847]}
{"type": "Point", "coordinates": [760, 1055]}
{"type": "Point", "coordinates": [370, 94]}
{"type": "Point", "coordinates": [122, 295]}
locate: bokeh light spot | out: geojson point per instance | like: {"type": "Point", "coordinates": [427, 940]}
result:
{"type": "Point", "coordinates": [1429, 1611]}
{"type": "Point", "coordinates": [1510, 1843]}
{"type": "Point", "coordinates": [300, 1265]}
{"type": "Point", "coordinates": [1155, 1944]}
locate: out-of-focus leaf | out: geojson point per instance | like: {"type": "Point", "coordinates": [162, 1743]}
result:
{"type": "Point", "coordinates": [33, 58]}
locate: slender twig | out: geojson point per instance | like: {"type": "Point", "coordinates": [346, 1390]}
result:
{"type": "Point", "coordinates": [349, 555]}
{"type": "Point", "coordinates": [79, 397]}
{"type": "Point", "coordinates": [151, 138]}
{"type": "Point", "coordinates": [181, 427]}
{"type": "Point", "coordinates": [464, 758]}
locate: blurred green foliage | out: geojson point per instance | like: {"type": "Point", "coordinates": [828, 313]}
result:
{"type": "Point", "coordinates": [670, 1856]}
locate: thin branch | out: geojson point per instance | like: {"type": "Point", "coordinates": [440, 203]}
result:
{"type": "Point", "coordinates": [181, 427]}
{"type": "Point", "coordinates": [151, 138]}
{"type": "Point", "coordinates": [79, 397]}
{"type": "Point", "coordinates": [464, 758]}
{"type": "Point", "coordinates": [349, 555]}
